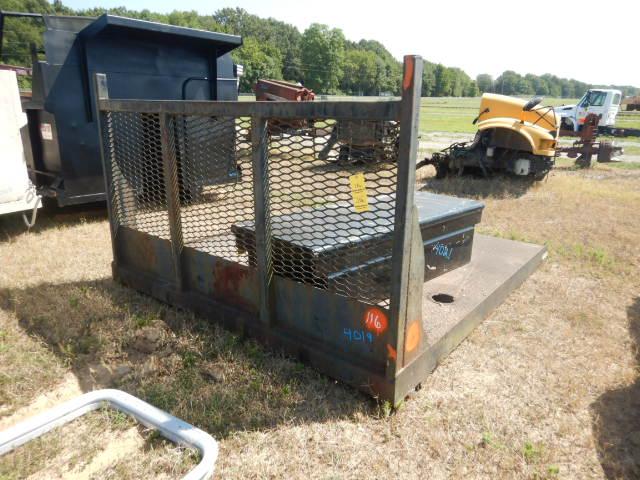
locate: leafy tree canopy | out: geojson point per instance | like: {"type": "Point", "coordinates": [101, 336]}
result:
{"type": "Point", "coordinates": [320, 57]}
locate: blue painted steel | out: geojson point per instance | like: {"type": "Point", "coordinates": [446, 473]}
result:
{"type": "Point", "coordinates": [143, 60]}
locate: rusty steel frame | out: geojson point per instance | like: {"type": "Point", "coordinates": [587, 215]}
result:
{"type": "Point", "coordinates": [588, 144]}
{"type": "Point", "coordinates": [283, 313]}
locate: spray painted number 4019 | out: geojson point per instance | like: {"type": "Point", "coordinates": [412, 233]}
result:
{"type": "Point", "coordinates": [358, 335]}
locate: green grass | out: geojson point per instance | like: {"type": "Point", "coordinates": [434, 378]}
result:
{"type": "Point", "coordinates": [632, 150]}
{"type": "Point", "coordinates": [448, 114]}
{"type": "Point", "coordinates": [625, 165]}
{"type": "Point", "coordinates": [628, 120]}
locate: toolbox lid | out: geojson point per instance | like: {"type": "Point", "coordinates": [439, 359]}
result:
{"type": "Point", "coordinates": [326, 228]}
{"type": "Point", "coordinates": [433, 207]}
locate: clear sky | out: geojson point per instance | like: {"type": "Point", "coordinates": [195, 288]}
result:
{"type": "Point", "coordinates": [591, 41]}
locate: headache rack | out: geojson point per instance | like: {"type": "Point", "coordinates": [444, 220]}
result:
{"type": "Point", "coordinates": [221, 208]}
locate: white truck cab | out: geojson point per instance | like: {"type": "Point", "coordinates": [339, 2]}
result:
{"type": "Point", "coordinates": [603, 102]}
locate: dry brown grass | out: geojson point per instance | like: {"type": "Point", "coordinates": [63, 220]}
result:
{"type": "Point", "coordinates": [105, 444]}
{"type": "Point", "coordinates": [547, 387]}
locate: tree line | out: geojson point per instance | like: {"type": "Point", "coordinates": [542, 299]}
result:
{"type": "Point", "coordinates": [320, 57]}
{"type": "Point", "coordinates": [512, 83]}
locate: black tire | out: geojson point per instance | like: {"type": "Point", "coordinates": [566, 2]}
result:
{"type": "Point", "coordinates": [565, 125]}
{"type": "Point", "coordinates": [442, 170]}
{"type": "Point", "coordinates": [344, 154]}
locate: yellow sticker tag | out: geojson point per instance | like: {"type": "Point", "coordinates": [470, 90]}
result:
{"type": "Point", "coordinates": [359, 192]}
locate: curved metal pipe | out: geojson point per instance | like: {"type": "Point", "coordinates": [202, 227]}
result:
{"type": "Point", "coordinates": [169, 426]}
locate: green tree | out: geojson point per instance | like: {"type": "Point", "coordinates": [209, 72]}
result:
{"type": "Point", "coordinates": [538, 85]}
{"type": "Point", "coordinates": [507, 83]}
{"type": "Point", "coordinates": [461, 82]}
{"type": "Point", "coordinates": [276, 49]}
{"type": "Point", "coordinates": [285, 37]}
{"type": "Point", "coordinates": [260, 60]}
{"type": "Point", "coordinates": [484, 81]}
{"type": "Point", "coordinates": [524, 87]}
{"type": "Point", "coordinates": [389, 70]}
{"type": "Point", "coordinates": [360, 73]}
{"type": "Point", "coordinates": [444, 81]}
{"type": "Point", "coordinates": [429, 79]}
{"type": "Point", "coordinates": [567, 89]}
{"type": "Point", "coordinates": [472, 90]}
{"type": "Point", "coordinates": [21, 33]}
{"type": "Point", "coordinates": [322, 58]}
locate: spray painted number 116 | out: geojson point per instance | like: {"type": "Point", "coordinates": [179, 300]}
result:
{"type": "Point", "coordinates": [375, 320]}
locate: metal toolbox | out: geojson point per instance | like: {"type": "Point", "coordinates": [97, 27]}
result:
{"type": "Point", "coordinates": [309, 250]}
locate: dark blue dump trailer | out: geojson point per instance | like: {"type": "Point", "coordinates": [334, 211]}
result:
{"type": "Point", "coordinates": [141, 60]}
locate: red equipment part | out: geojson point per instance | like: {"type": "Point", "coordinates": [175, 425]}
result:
{"type": "Point", "coordinates": [278, 90]}
{"type": "Point", "coordinates": [588, 144]}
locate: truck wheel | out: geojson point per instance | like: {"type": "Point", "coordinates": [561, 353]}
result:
{"type": "Point", "coordinates": [565, 125]}
{"type": "Point", "coordinates": [343, 154]}
{"type": "Point", "coordinates": [442, 170]}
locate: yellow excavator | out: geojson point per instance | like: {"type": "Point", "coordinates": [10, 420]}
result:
{"type": "Point", "coordinates": [514, 136]}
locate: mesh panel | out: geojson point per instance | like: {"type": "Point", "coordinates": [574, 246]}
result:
{"type": "Point", "coordinates": [316, 234]}
{"type": "Point", "coordinates": [134, 157]}
{"type": "Point", "coordinates": [316, 231]}
{"type": "Point", "coordinates": [216, 182]}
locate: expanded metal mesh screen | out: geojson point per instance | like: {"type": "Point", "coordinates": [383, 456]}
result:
{"type": "Point", "coordinates": [133, 153]}
{"type": "Point", "coordinates": [317, 235]}
{"type": "Point", "coordinates": [329, 192]}
{"type": "Point", "coordinates": [217, 191]}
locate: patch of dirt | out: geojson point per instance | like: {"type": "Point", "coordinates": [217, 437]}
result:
{"type": "Point", "coordinates": [120, 446]}
{"type": "Point", "coordinates": [67, 389]}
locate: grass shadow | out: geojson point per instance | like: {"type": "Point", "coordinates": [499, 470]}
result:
{"type": "Point", "coordinates": [111, 335]}
{"type": "Point", "coordinates": [51, 216]}
{"type": "Point", "coordinates": [616, 417]}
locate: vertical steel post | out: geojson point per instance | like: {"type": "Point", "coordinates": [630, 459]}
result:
{"type": "Point", "coordinates": [259, 143]}
{"type": "Point", "coordinates": [170, 171]}
{"type": "Point", "coordinates": [404, 213]}
{"type": "Point", "coordinates": [101, 92]}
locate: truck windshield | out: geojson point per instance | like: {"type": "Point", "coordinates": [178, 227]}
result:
{"type": "Point", "coordinates": [593, 99]}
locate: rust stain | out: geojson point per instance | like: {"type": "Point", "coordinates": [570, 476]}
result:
{"type": "Point", "coordinates": [391, 353]}
{"type": "Point", "coordinates": [229, 281]}
{"type": "Point", "coordinates": [142, 251]}
{"type": "Point", "coordinates": [414, 335]}
{"type": "Point", "coordinates": [408, 73]}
